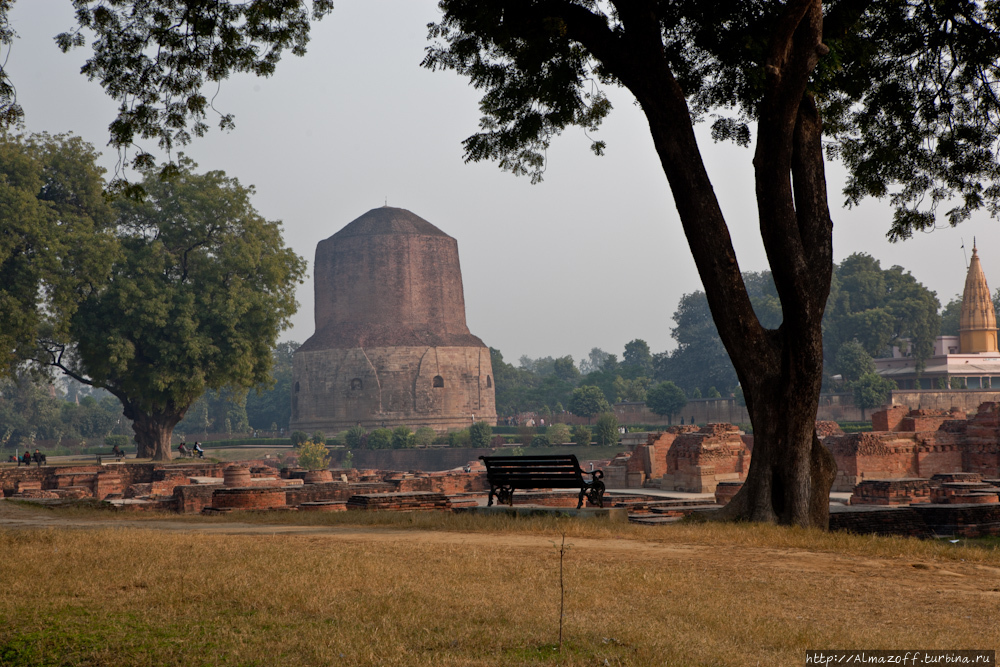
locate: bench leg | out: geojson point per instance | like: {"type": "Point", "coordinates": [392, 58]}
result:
{"type": "Point", "coordinates": [579, 502]}
{"type": "Point", "coordinates": [492, 490]}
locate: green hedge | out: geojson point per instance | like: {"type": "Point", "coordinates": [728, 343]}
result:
{"type": "Point", "coordinates": [855, 427]}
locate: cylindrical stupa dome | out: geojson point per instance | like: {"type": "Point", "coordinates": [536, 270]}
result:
{"type": "Point", "coordinates": [391, 345]}
{"type": "Point", "coordinates": [390, 278]}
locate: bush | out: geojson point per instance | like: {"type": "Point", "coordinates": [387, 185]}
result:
{"type": "Point", "coordinates": [319, 437]}
{"type": "Point", "coordinates": [314, 455]}
{"type": "Point", "coordinates": [498, 441]}
{"type": "Point", "coordinates": [480, 434]}
{"type": "Point", "coordinates": [459, 438]}
{"type": "Point", "coordinates": [402, 437]}
{"type": "Point", "coordinates": [558, 434]}
{"type": "Point", "coordinates": [112, 440]}
{"type": "Point", "coordinates": [298, 437]}
{"type": "Point", "coordinates": [353, 437]}
{"type": "Point", "coordinates": [606, 431]}
{"type": "Point", "coordinates": [581, 435]}
{"type": "Point", "coordinates": [380, 438]}
{"type": "Point", "coordinates": [424, 436]}
{"type": "Point", "coordinates": [540, 441]}
{"type": "Point", "coordinates": [525, 434]}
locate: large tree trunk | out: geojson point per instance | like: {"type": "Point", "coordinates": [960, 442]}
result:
{"type": "Point", "coordinates": [153, 431]}
{"type": "Point", "coordinates": [780, 371]}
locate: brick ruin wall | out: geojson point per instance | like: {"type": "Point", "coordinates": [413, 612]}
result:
{"type": "Point", "coordinates": [391, 386]}
{"type": "Point", "coordinates": [906, 444]}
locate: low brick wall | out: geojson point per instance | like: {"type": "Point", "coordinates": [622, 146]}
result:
{"type": "Point", "coordinates": [249, 498]}
{"type": "Point", "coordinates": [919, 520]}
{"type": "Point", "coordinates": [312, 493]}
{"type": "Point", "coordinates": [49, 476]}
{"type": "Point", "coordinates": [192, 499]}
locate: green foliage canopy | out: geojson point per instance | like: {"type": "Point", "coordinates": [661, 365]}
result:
{"type": "Point", "coordinates": [666, 399]}
{"type": "Point", "coordinates": [872, 390]}
{"type": "Point", "coordinates": [588, 401]}
{"type": "Point", "coordinates": [314, 455]}
{"type": "Point", "coordinates": [56, 244]}
{"type": "Point", "coordinates": [480, 434]}
{"type": "Point", "coordinates": [202, 289]}
{"type": "Point", "coordinates": [606, 430]}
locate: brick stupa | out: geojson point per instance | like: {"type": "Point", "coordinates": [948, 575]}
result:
{"type": "Point", "coordinates": [391, 345]}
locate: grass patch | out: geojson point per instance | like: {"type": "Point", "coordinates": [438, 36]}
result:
{"type": "Point", "coordinates": [382, 588]}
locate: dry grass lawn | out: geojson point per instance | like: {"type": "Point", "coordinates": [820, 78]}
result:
{"type": "Point", "coordinates": [88, 588]}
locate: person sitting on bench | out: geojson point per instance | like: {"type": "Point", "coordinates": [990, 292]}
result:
{"type": "Point", "coordinates": [117, 452]}
{"type": "Point", "coordinates": [183, 450]}
{"type": "Point", "coordinates": [26, 458]}
{"type": "Point", "coordinates": [39, 458]}
{"type": "Point", "coordinates": [198, 450]}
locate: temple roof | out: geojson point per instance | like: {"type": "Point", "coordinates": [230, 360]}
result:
{"type": "Point", "coordinates": [977, 304]}
{"type": "Point", "coordinates": [388, 220]}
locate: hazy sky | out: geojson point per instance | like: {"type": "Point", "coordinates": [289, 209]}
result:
{"type": "Point", "coordinates": [592, 257]}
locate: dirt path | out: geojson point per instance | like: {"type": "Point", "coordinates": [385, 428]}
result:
{"type": "Point", "coordinates": [932, 577]}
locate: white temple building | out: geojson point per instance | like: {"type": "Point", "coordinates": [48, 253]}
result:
{"type": "Point", "coordinates": [970, 360]}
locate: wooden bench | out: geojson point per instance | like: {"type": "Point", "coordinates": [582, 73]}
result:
{"type": "Point", "coordinates": [111, 455]}
{"type": "Point", "coordinates": [508, 473]}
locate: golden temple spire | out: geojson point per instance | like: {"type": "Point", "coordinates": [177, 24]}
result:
{"type": "Point", "coordinates": [977, 327]}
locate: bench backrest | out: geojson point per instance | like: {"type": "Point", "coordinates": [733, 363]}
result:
{"type": "Point", "coordinates": [534, 471]}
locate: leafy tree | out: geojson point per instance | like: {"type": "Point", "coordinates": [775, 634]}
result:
{"type": "Point", "coordinates": [581, 435]}
{"type": "Point", "coordinates": [314, 455]}
{"type": "Point", "coordinates": [853, 361]}
{"type": "Point", "coordinates": [666, 399]}
{"type": "Point", "coordinates": [879, 308]}
{"type": "Point", "coordinates": [606, 430]}
{"type": "Point", "coordinates": [951, 315]}
{"type": "Point", "coordinates": [713, 393]}
{"type": "Point", "coordinates": [299, 437]}
{"type": "Point", "coordinates": [353, 437]}
{"type": "Point", "coordinates": [594, 361]}
{"type": "Point", "coordinates": [638, 356]}
{"type": "Point", "coordinates": [459, 438]}
{"type": "Point", "coordinates": [202, 289]}
{"type": "Point", "coordinates": [895, 89]}
{"type": "Point", "coordinates": [872, 390]}
{"type": "Point", "coordinates": [424, 436]}
{"type": "Point", "coordinates": [512, 386]}
{"type": "Point", "coordinates": [631, 390]}
{"type": "Point", "coordinates": [480, 435]}
{"type": "Point", "coordinates": [558, 434]}
{"type": "Point", "coordinates": [565, 370]}
{"type": "Point", "coordinates": [159, 58]}
{"type": "Point", "coordinates": [700, 359]}
{"type": "Point", "coordinates": [541, 441]}
{"type": "Point", "coordinates": [217, 411]}
{"type": "Point", "coordinates": [380, 438]}
{"type": "Point", "coordinates": [112, 440]}
{"type": "Point", "coordinates": [267, 405]}
{"type": "Point", "coordinates": [402, 437]}
{"type": "Point", "coordinates": [56, 242]}
{"type": "Point", "coordinates": [318, 436]}
{"type": "Point", "coordinates": [588, 401]}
